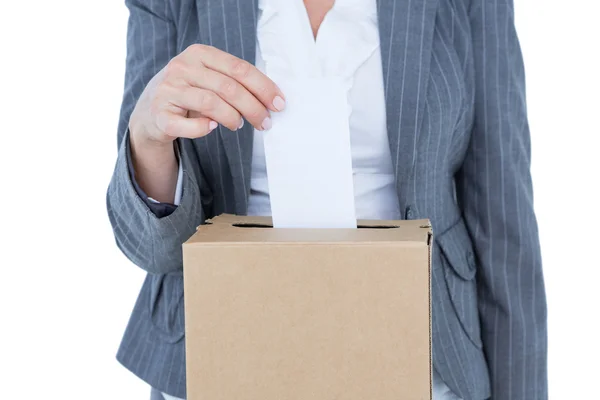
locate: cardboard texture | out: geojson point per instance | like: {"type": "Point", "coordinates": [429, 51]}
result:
{"type": "Point", "coordinates": [325, 314]}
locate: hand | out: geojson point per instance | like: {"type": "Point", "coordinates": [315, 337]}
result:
{"type": "Point", "coordinates": [198, 89]}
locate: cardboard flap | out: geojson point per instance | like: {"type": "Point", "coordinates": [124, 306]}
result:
{"type": "Point", "coordinates": [373, 223]}
{"type": "Point", "coordinates": [267, 222]}
{"type": "Point", "coordinates": [237, 220]}
{"type": "Point", "coordinates": [228, 228]}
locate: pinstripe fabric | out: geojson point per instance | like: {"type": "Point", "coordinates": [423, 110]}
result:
{"type": "Point", "coordinates": [459, 138]}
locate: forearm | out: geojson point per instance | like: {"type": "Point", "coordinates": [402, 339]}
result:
{"type": "Point", "coordinates": [156, 168]}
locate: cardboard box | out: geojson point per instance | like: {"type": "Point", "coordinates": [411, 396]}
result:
{"type": "Point", "coordinates": [324, 314]}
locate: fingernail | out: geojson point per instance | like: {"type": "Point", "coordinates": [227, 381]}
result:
{"type": "Point", "coordinates": [266, 124]}
{"type": "Point", "coordinates": [241, 124]}
{"type": "Point", "coordinates": [278, 103]}
{"type": "Point", "coordinates": [212, 125]}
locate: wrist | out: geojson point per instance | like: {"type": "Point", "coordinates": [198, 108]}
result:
{"type": "Point", "coordinates": [143, 147]}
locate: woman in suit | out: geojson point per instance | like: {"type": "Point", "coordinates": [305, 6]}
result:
{"type": "Point", "coordinates": [438, 130]}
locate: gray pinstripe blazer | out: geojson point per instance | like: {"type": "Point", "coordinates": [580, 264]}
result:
{"type": "Point", "coordinates": [459, 137]}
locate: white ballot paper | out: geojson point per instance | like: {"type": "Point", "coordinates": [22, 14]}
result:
{"type": "Point", "coordinates": [308, 157]}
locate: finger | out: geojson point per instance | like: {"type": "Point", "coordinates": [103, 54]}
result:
{"type": "Point", "coordinates": [180, 126]}
{"type": "Point", "coordinates": [234, 93]}
{"type": "Point", "coordinates": [209, 104]}
{"type": "Point", "coordinates": [263, 88]}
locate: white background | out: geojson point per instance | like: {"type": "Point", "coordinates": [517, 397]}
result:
{"type": "Point", "coordinates": [66, 291]}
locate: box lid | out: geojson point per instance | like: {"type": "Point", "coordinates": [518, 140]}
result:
{"type": "Point", "coordinates": [228, 229]}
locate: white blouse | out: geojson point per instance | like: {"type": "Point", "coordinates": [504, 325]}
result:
{"type": "Point", "coordinates": [347, 46]}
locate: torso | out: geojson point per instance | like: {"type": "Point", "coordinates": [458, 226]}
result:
{"type": "Point", "coordinates": [428, 69]}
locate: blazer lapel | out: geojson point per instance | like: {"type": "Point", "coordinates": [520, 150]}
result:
{"type": "Point", "coordinates": [406, 35]}
{"type": "Point", "coordinates": [230, 25]}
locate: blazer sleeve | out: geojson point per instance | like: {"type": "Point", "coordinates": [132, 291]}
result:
{"type": "Point", "coordinates": [150, 241]}
{"type": "Point", "coordinates": [494, 190]}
